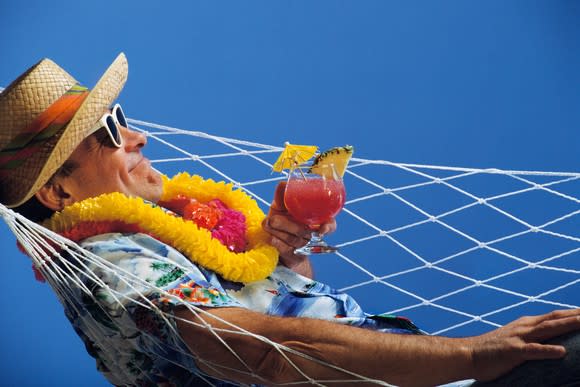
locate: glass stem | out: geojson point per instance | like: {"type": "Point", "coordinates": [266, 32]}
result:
{"type": "Point", "coordinates": [315, 246]}
{"type": "Point", "coordinates": [315, 238]}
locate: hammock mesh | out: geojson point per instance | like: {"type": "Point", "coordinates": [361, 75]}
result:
{"type": "Point", "coordinates": [458, 250]}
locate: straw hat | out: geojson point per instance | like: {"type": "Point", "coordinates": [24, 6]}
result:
{"type": "Point", "coordinates": [23, 101]}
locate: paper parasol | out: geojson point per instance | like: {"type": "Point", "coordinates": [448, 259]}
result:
{"type": "Point", "coordinates": [294, 155]}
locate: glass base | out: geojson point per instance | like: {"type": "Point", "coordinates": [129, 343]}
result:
{"type": "Point", "coordinates": [316, 246]}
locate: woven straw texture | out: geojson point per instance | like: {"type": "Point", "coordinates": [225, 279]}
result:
{"type": "Point", "coordinates": [28, 96]}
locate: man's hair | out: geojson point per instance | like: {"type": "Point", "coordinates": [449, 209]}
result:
{"type": "Point", "coordinates": [33, 209]}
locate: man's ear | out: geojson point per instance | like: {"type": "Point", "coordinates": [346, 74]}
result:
{"type": "Point", "coordinates": [53, 196]}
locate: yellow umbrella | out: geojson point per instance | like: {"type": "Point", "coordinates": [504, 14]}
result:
{"type": "Point", "coordinates": [293, 155]}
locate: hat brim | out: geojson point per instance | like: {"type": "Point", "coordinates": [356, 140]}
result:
{"type": "Point", "coordinates": [99, 99]}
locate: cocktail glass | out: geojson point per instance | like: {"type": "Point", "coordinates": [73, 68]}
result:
{"type": "Point", "coordinates": [314, 199]}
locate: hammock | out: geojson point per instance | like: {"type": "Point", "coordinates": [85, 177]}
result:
{"type": "Point", "coordinates": [458, 250]}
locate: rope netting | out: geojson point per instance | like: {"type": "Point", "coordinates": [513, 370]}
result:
{"type": "Point", "coordinates": [458, 250]}
{"type": "Point", "coordinates": [408, 229]}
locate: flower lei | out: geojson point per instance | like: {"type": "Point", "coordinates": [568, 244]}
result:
{"type": "Point", "coordinates": [209, 227]}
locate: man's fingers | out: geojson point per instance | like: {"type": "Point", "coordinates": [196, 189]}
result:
{"type": "Point", "coordinates": [554, 315]}
{"type": "Point", "coordinates": [284, 224]}
{"type": "Point", "coordinates": [552, 328]}
{"type": "Point", "coordinates": [558, 314]}
{"type": "Point", "coordinates": [327, 228]}
{"type": "Point", "coordinates": [287, 256]}
{"type": "Point", "coordinates": [283, 248]}
{"type": "Point", "coordinates": [292, 240]}
{"type": "Point", "coordinates": [535, 351]}
{"type": "Point", "coordinates": [278, 203]}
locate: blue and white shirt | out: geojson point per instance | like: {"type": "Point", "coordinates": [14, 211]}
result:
{"type": "Point", "coordinates": [135, 346]}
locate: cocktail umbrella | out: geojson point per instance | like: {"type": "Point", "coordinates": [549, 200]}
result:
{"type": "Point", "coordinates": [294, 155]}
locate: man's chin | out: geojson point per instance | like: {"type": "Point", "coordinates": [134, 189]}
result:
{"type": "Point", "coordinates": [154, 187]}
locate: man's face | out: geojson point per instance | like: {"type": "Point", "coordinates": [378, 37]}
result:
{"type": "Point", "coordinates": [103, 168]}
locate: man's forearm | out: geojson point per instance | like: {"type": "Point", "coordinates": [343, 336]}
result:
{"type": "Point", "coordinates": [405, 360]}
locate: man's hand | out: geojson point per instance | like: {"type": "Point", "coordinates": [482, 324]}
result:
{"type": "Point", "coordinates": [498, 351]}
{"type": "Point", "coordinates": [288, 235]}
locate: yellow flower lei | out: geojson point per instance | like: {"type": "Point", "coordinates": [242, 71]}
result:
{"type": "Point", "coordinates": [256, 263]}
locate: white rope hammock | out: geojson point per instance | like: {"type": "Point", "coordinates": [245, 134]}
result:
{"type": "Point", "coordinates": [404, 229]}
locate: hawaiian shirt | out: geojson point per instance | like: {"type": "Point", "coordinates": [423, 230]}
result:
{"type": "Point", "coordinates": [135, 346]}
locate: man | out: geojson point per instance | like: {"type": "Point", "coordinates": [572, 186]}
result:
{"type": "Point", "coordinates": [62, 145]}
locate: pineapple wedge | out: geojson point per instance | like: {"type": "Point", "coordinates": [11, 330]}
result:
{"type": "Point", "coordinates": [338, 156]}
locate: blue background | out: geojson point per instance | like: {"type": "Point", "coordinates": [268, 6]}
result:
{"type": "Point", "coordinates": [492, 84]}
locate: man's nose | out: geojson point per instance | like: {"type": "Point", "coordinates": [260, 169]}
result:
{"type": "Point", "coordinates": [133, 139]}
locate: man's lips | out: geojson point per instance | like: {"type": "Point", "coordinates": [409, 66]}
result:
{"type": "Point", "coordinates": [141, 160]}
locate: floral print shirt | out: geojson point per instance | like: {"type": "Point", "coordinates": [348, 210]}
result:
{"type": "Point", "coordinates": [114, 312]}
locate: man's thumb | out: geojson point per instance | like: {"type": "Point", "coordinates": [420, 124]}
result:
{"type": "Point", "coordinates": [278, 203]}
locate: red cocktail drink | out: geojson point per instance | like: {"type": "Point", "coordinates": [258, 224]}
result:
{"type": "Point", "coordinates": [314, 201]}
{"type": "Point", "coordinates": [315, 194]}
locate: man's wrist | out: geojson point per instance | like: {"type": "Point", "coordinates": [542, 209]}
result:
{"type": "Point", "coordinates": [299, 264]}
{"type": "Point", "coordinates": [466, 348]}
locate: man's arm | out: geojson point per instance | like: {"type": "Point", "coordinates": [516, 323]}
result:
{"type": "Point", "coordinates": [398, 359]}
{"type": "Point", "coordinates": [406, 360]}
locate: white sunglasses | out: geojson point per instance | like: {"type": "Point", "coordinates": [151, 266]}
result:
{"type": "Point", "coordinates": [109, 121]}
